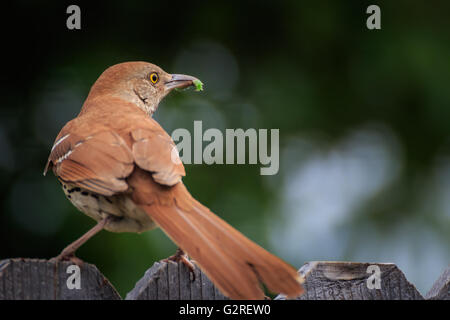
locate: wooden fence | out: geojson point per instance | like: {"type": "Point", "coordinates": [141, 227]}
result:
{"type": "Point", "coordinates": [33, 279]}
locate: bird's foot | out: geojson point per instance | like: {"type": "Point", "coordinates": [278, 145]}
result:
{"type": "Point", "coordinates": [68, 256]}
{"type": "Point", "coordinates": [180, 256]}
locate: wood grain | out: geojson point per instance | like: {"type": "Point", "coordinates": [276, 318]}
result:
{"type": "Point", "coordinates": [34, 279]}
{"type": "Point", "coordinates": [349, 281]}
{"type": "Point", "coordinates": [441, 288]}
{"type": "Point", "coordinates": [173, 281]}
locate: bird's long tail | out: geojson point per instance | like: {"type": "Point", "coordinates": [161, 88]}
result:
{"type": "Point", "coordinates": [235, 264]}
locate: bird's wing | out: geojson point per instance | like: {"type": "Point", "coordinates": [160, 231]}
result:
{"type": "Point", "coordinates": [97, 161]}
{"type": "Point", "coordinates": [99, 154]}
{"type": "Point", "coordinates": [154, 150]}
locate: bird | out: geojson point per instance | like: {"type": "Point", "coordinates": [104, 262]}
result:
{"type": "Point", "coordinates": [117, 165]}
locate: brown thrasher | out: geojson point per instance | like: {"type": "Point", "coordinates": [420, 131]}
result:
{"type": "Point", "coordinates": [118, 165]}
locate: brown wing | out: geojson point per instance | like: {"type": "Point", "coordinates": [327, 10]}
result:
{"type": "Point", "coordinates": [154, 151]}
{"type": "Point", "coordinates": [98, 162]}
{"type": "Point", "coordinates": [98, 154]}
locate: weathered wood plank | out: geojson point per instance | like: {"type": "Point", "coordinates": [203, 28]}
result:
{"type": "Point", "coordinates": [441, 288]}
{"type": "Point", "coordinates": [196, 285]}
{"type": "Point", "coordinates": [208, 292]}
{"type": "Point", "coordinates": [33, 279]}
{"type": "Point", "coordinates": [162, 282]}
{"type": "Point", "coordinates": [355, 281]}
{"type": "Point", "coordinates": [172, 280]}
{"type": "Point", "coordinates": [185, 282]}
{"type": "Point", "coordinates": [146, 288]}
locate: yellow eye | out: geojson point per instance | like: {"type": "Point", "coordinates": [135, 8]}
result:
{"type": "Point", "coordinates": [154, 78]}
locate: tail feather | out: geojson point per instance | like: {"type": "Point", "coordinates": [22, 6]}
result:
{"type": "Point", "coordinates": [269, 269]}
{"type": "Point", "coordinates": [226, 271]}
{"type": "Point", "coordinates": [234, 263]}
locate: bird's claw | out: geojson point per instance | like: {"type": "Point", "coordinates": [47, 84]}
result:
{"type": "Point", "coordinates": [180, 256]}
{"type": "Point", "coordinates": [67, 257]}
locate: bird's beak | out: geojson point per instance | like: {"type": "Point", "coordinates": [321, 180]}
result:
{"type": "Point", "coordinates": [180, 81]}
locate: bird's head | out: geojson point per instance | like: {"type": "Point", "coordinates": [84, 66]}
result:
{"type": "Point", "coordinates": [141, 83]}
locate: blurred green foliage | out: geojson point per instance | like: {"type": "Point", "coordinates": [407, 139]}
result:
{"type": "Point", "coordinates": [364, 119]}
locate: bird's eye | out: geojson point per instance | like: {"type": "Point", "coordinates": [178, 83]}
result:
{"type": "Point", "coordinates": [154, 78]}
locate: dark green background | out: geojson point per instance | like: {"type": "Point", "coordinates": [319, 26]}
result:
{"type": "Point", "coordinates": [364, 119]}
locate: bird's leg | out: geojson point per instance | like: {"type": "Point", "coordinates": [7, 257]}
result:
{"type": "Point", "coordinates": [69, 252]}
{"type": "Point", "coordinates": [180, 256]}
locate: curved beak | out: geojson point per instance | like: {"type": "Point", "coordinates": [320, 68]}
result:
{"type": "Point", "coordinates": [180, 81]}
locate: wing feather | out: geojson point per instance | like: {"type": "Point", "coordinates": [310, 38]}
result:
{"type": "Point", "coordinates": [154, 151]}
{"type": "Point", "coordinates": [99, 161]}
{"type": "Point", "coordinates": [100, 153]}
